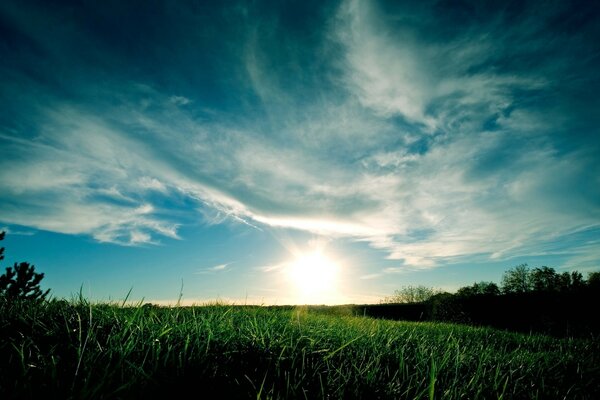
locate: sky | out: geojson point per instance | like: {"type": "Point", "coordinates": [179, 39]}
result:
{"type": "Point", "coordinates": [203, 150]}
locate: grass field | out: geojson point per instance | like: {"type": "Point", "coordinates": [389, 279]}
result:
{"type": "Point", "coordinates": [67, 350]}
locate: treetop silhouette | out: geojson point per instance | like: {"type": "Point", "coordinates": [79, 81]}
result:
{"type": "Point", "coordinates": [20, 282]}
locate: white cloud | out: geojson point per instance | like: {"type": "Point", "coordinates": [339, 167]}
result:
{"type": "Point", "coordinates": [272, 268]}
{"type": "Point", "coordinates": [179, 100]}
{"type": "Point", "coordinates": [152, 184]}
{"type": "Point", "coordinates": [419, 208]}
{"type": "Point", "coordinates": [11, 231]}
{"type": "Point", "coordinates": [425, 191]}
{"type": "Point", "coordinates": [214, 269]}
{"type": "Point", "coordinates": [77, 179]}
{"type": "Point", "coordinates": [394, 72]}
{"type": "Point", "coordinates": [385, 75]}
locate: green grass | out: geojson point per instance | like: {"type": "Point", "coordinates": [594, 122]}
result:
{"type": "Point", "coordinates": [78, 350]}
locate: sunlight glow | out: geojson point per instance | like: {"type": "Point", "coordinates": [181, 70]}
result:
{"type": "Point", "coordinates": [314, 277]}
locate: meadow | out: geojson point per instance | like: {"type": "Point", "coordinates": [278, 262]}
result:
{"type": "Point", "coordinates": [76, 350]}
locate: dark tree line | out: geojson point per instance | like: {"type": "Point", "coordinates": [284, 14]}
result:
{"type": "Point", "coordinates": [517, 280]}
{"type": "Point", "coordinates": [527, 300]}
{"type": "Point", "coordinates": [522, 279]}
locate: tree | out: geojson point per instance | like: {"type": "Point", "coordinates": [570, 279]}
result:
{"type": "Point", "coordinates": [593, 280]}
{"type": "Point", "coordinates": [545, 279]}
{"type": "Point", "coordinates": [577, 281]}
{"type": "Point", "coordinates": [569, 282]}
{"type": "Point", "coordinates": [411, 294]}
{"type": "Point", "coordinates": [479, 288]}
{"type": "Point", "coordinates": [516, 280]}
{"type": "Point", "coordinates": [21, 281]}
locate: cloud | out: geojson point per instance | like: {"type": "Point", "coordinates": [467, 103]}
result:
{"type": "Point", "coordinates": [386, 77]}
{"type": "Point", "coordinates": [214, 269]}
{"type": "Point", "coordinates": [80, 177]}
{"type": "Point", "coordinates": [219, 267]}
{"type": "Point", "coordinates": [272, 268]}
{"type": "Point", "coordinates": [179, 100]}
{"type": "Point", "coordinates": [440, 85]}
{"type": "Point", "coordinates": [431, 143]}
{"type": "Point", "coordinates": [12, 231]}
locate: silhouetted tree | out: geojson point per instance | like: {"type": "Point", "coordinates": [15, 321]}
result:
{"type": "Point", "coordinates": [577, 281]}
{"type": "Point", "coordinates": [570, 282]}
{"type": "Point", "coordinates": [479, 288]}
{"type": "Point", "coordinates": [21, 281]}
{"type": "Point", "coordinates": [545, 279]}
{"type": "Point", "coordinates": [411, 294]}
{"type": "Point", "coordinates": [563, 282]}
{"type": "Point", "coordinates": [516, 280]}
{"type": "Point", "coordinates": [593, 280]}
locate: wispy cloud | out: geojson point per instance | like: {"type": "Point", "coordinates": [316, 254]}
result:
{"type": "Point", "coordinates": [21, 232]}
{"type": "Point", "coordinates": [430, 142]}
{"type": "Point", "coordinates": [271, 268]}
{"type": "Point", "coordinates": [214, 269]}
{"type": "Point", "coordinates": [220, 267]}
{"type": "Point", "coordinates": [179, 100]}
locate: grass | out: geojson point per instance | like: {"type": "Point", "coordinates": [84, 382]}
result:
{"type": "Point", "coordinates": [78, 350]}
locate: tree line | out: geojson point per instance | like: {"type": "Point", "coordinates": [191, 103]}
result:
{"type": "Point", "coordinates": [517, 280]}
{"type": "Point", "coordinates": [528, 300]}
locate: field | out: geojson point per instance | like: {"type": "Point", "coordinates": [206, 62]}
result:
{"type": "Point", "coordinates": [62, 349]}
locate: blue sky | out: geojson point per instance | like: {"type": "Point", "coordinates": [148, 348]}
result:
{"type": "Point", "coordinates": [430, 142]}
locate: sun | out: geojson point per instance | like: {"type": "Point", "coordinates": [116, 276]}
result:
{"type": "Point", "coordinates": [314, 276]}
